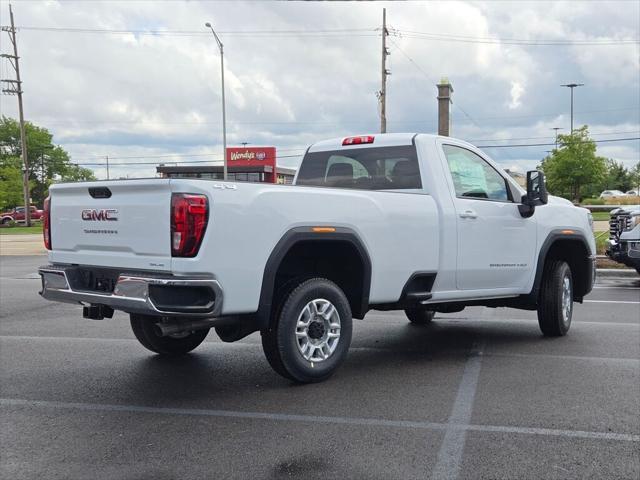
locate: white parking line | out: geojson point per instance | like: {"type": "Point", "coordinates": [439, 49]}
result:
{"type": "Point", "coordinates": [449, 458]}
{"type": "Point", "coordinates": [617, 288]}
{"type": "Point", "coordinates": [610, 301]}
{"type": "Point", "coordinates": [245, 344]}
{"type": "Point", "coordinates": [505, 321]}
{"type": "Point", "coordinates": [285, 417]}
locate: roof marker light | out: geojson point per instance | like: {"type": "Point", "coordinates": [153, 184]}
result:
{"type": "Point", "coordinates": [358, 140]}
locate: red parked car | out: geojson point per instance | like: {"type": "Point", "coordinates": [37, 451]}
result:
{"type": "Point", "coordinates": [17, 215]}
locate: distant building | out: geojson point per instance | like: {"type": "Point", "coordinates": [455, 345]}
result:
{"type": "Point", "coordinates": [264, 174]}
{"type": "Point", "coordinates": [244, 164]}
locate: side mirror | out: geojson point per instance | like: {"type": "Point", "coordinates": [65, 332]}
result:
{"type": "Point", "coordinates": [536, 188]}
{"type": "Point", "coordinates": [536, 193]}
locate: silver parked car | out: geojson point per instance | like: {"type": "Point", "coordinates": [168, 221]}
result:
{"type": "Point", "coordinates": [611, 193]}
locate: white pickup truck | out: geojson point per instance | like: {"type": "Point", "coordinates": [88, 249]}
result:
{"type": "Point", "coordinates": [419, 223]}
{"type": "Point", "coordinates": [624, 236]}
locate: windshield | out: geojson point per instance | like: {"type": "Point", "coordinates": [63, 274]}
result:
{"type": "Point", "coordinates": [383, 168]}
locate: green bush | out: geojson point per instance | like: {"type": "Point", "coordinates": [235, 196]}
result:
{"type": "Point", "coordinates": [8, 224]}
{"type": "Point", "coordinates": [593, 201]}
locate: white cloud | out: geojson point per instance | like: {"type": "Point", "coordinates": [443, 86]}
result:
{"type": "Point", "coordinates": [516, 92]}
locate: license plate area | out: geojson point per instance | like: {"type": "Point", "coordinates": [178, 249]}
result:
{"type": "Point", "coordinates": [93, 280]}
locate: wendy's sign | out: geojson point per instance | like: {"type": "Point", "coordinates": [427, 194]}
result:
{"type": "Point", "coordinates": [251, 156]}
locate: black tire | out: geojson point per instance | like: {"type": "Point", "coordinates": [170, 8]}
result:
{"type": "Point", "coordinates": [143, 327]}
{"type": "Point", "coordinates": [280, 342]}
{"type": "Point", "coordinates": [5, 221]}
{"type": "Point", "coordinates": [554, 321]}
{"type": "Point", "coordinates": [419, 316]}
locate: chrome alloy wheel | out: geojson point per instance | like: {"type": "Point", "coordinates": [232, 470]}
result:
{"type": "Point", "coordinates": [318, 330]}
{"type": "Point", "coordinates": [567, 299]}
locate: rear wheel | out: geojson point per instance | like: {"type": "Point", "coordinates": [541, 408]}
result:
{"type": "Point", "coordinates": [555, 305]}
{"type": "Point", "coordinates": [419, 316]}
{"type": "Point", "coordinates": [310, 334]}
{"type": "Point", "coordinates": [143, 327]}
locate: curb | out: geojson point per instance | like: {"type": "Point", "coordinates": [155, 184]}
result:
{"type": "Point", "coordinates": [616, 272]}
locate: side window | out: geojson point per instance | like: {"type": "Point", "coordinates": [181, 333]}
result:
{"type": "Point", "coordinates": [473, 177]}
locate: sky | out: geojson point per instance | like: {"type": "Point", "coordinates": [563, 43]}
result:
{"type": "Point", "coordinates": [139, 81]}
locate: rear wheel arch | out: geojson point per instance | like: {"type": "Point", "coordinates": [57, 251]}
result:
{"type": "Point", "coordinates": [339, 256]}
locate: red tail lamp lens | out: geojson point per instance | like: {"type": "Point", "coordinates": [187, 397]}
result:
{"type": "Point", "coordinates": [189, 217]}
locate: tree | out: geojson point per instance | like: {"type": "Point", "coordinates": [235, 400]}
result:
{"type": "Point", "coordinates": [47, 162]}
{"type": "Point", "coordinates": [617, 178]}
{"type": "Point", "coordinates": [10, 187]}
{"type": "Point", "coordinates": [634, 177]}
{"type": "Point", "coordinates": [574, 165]}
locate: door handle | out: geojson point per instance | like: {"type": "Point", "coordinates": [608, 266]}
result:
{"type": "Point", "coordinates": [468, 214]}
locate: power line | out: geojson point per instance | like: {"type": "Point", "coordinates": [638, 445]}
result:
{"type": "Point", "coordinates": [509, 41]}
{"type": "Point", "coordinates": [498, 117]}
{"type": "Point", "coordinates": [157, 163]}
{"type": "Point", "coordinates": [371, 32]}
{"type": "Point", "coordinates": [299, 155]}
{"type": "Point", "coordinates": [553, 144]}
{"type": "Point", "coordinates": [180, 155]}
{"type": "Point", "coordinates": [548, 136]}
{"type": "Point", "coordinates": [348, 32]}
{"type": "Point", "coordinates": [426, 75]}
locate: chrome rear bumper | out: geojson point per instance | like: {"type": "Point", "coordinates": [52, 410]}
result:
{"type": "Point", "coordinates": [138, 293]}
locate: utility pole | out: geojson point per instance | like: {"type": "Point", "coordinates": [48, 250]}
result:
{"type": "Point", "coordinates": [107, 166]}
{"type": "Point", "coordinates": [382, 94]}
{"type": "Point", "coordinates": [14, 87]}
{"type": "Point", "coordinates": [572, 86]}
{"type": "Point", "coordinates": [556, 130]}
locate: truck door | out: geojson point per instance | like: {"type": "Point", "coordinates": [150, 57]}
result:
{"type": "Point", "coordinates": [496, 245]}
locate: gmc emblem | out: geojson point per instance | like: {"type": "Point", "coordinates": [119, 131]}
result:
{"type": "Point", "coordinates": [104, 215]}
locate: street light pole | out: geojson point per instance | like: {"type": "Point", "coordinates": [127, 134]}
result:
{"type": "Point", "coordinates": [572, 86]}
{"type": "Point", "coordinates": [556, 129]}
{"type": "Point", "coordinates": [224, 115]}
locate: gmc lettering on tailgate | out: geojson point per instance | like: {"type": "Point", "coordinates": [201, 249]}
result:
{"type": "Point", "coordinates": [103, 215]}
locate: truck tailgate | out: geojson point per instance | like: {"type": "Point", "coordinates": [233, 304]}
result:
{"type": "Point", "coordinates": [121, 224]}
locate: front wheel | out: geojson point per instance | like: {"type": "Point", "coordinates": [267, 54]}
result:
{"type": "Point", "coordinates": [143, 327]}
{"type": "Point", "coordinates": [310, 334]}
{"type": "Point", "coordinates": [555, 304]}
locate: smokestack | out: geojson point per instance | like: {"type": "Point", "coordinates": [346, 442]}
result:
{"type": "Point", "coordinates": [444, 100]}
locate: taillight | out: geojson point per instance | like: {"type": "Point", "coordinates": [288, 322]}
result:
{"type": "Point", "coordinates": [358, 140]}
{"type": "Point", "coordinates": [189, 216]}
{"type": "Point", "coordinates": [46, 223]}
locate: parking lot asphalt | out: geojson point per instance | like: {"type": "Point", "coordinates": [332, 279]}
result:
{"type": "Point", "coordinates": [478, 394]}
